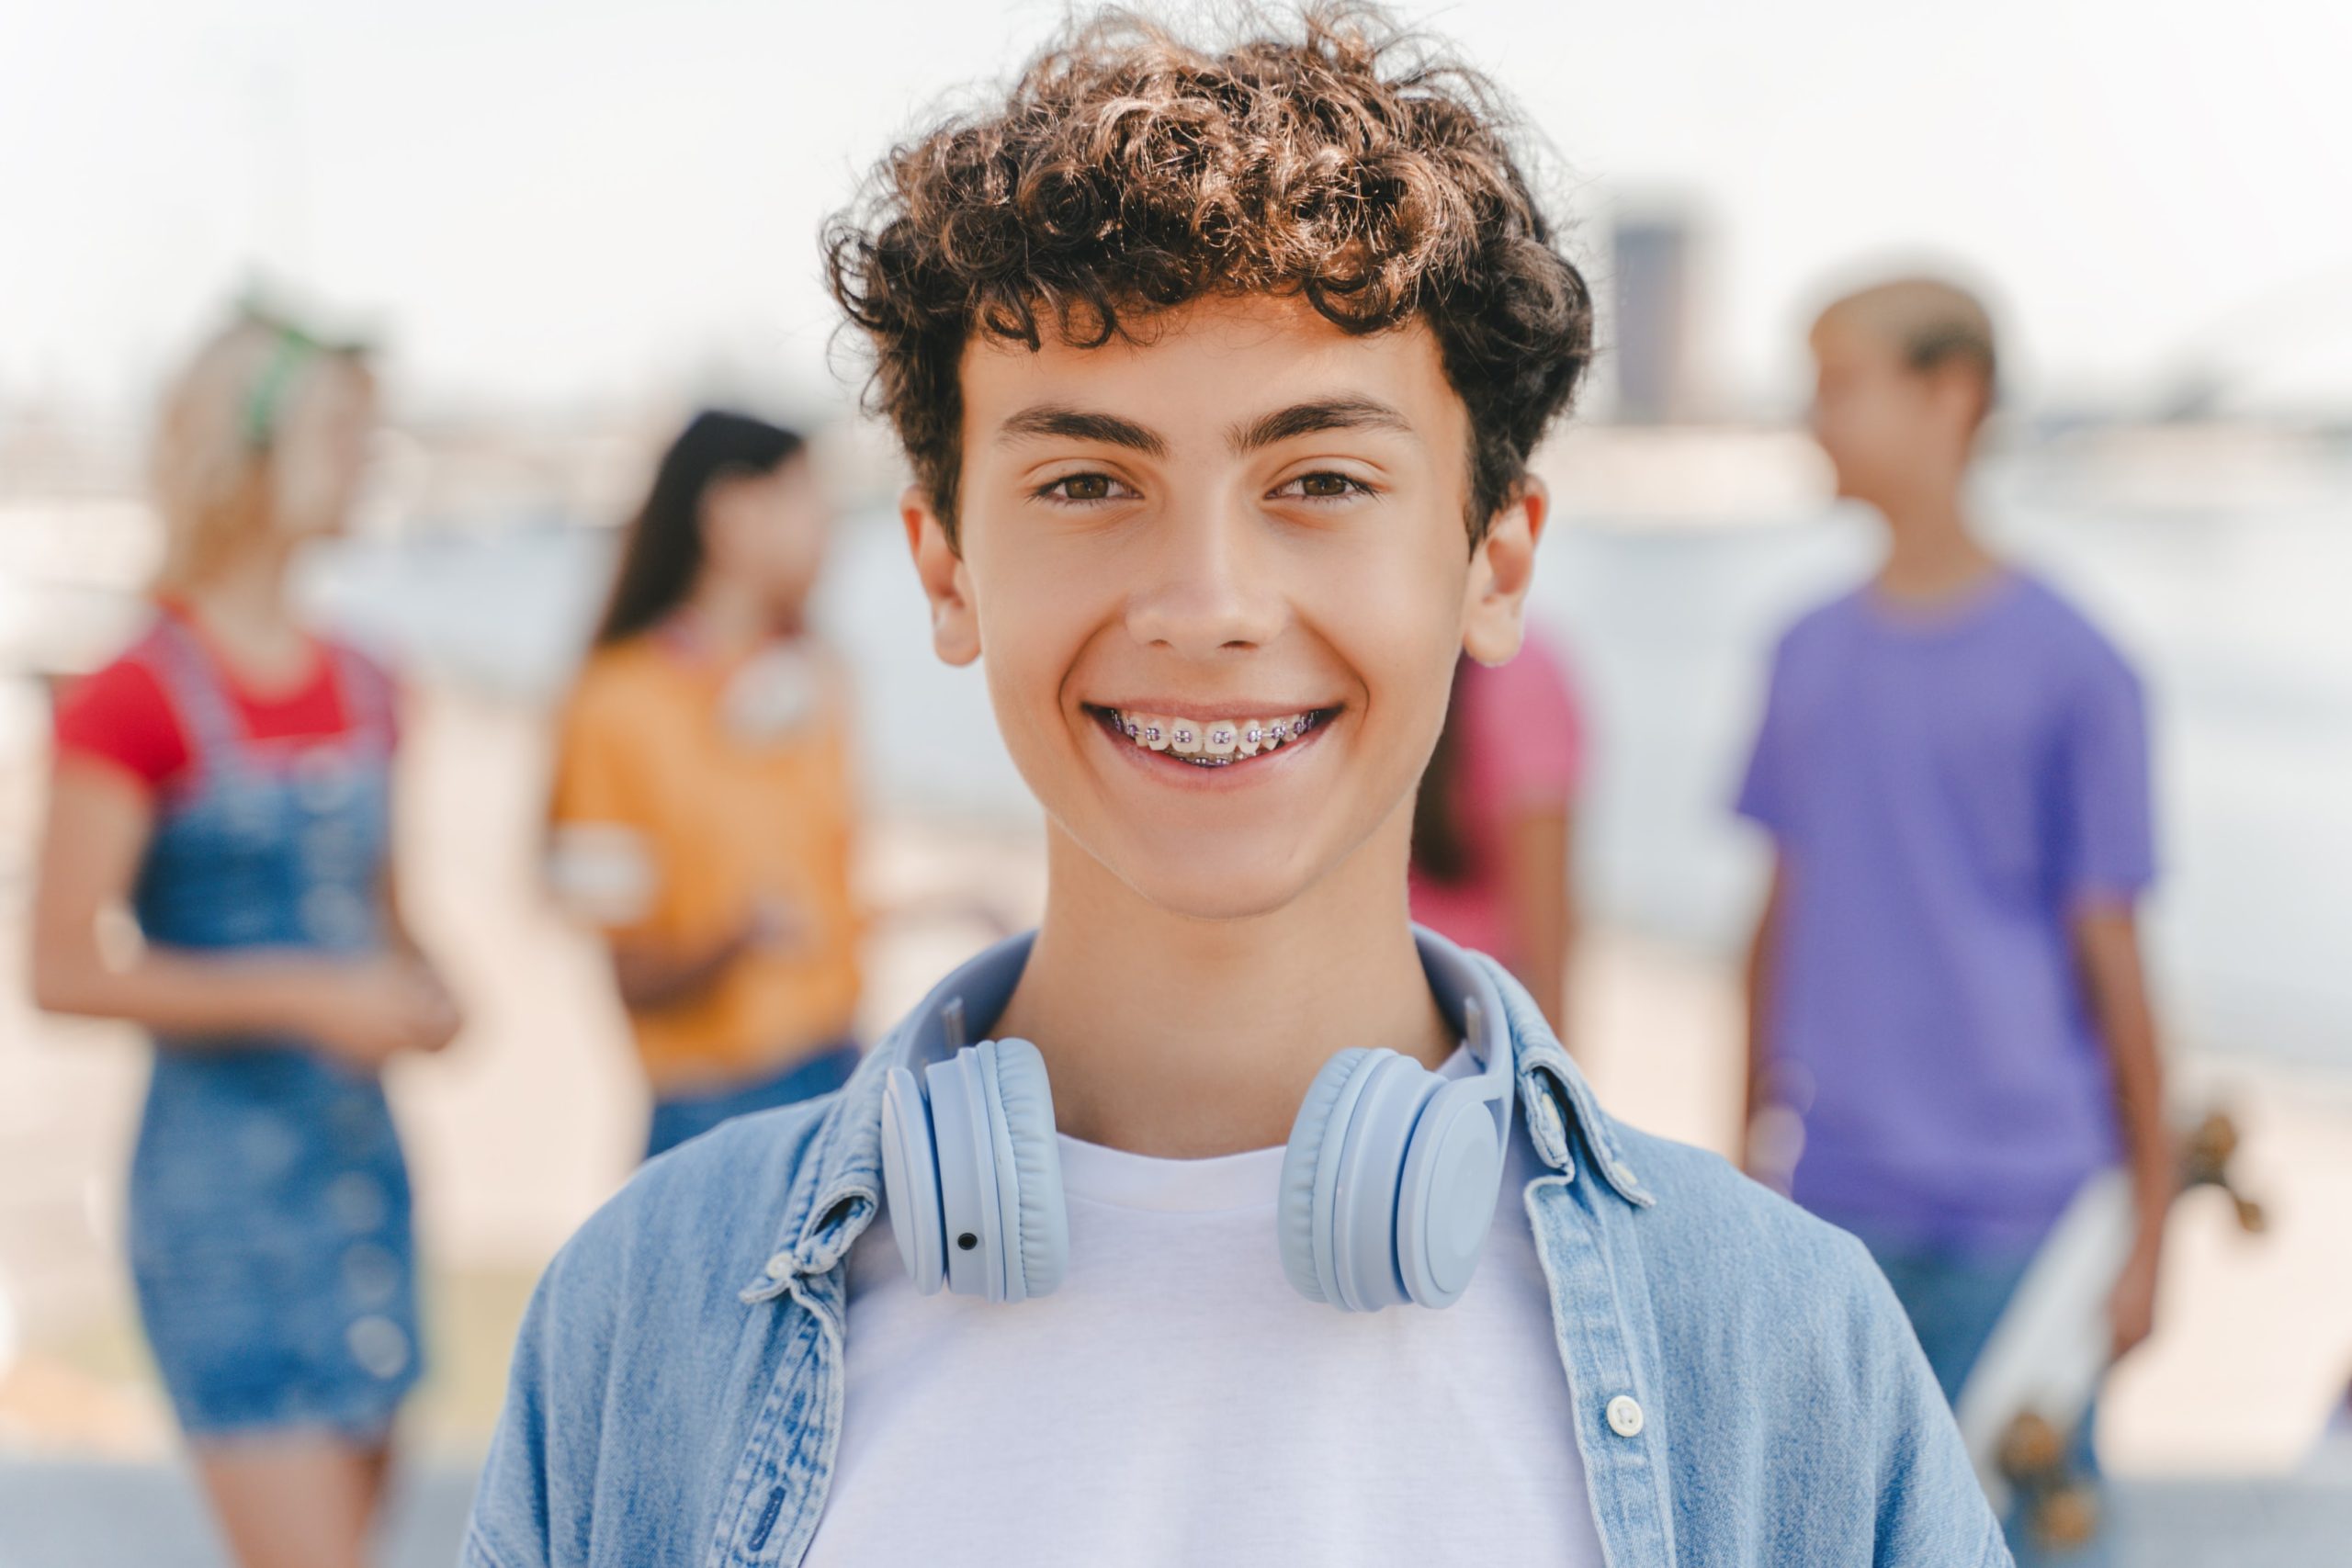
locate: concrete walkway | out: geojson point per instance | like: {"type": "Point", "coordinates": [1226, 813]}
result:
{"type": "Point", "coordinates": [56, 1514]}
{"type": "Point", "coordinates": [73, 1513]}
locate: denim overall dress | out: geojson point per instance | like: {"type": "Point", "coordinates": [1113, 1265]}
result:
{"type": "Point", "coordinates": [269, 1226]}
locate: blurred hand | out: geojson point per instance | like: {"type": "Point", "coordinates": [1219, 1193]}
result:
{"type": "Point", "coordinates": [371, 1010]}
{"type": "Point", "coordinates": [2131, 1307]}
{"type": "Point", "coordinates": [775, 925]}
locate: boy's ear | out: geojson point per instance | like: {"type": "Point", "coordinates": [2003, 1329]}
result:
{"type": "Point", "coordinates": [1503, 569]}
{"type": "Point", "coordinates": [955, 624]}
{"type": "Point", "coordinates": [1960, 391]}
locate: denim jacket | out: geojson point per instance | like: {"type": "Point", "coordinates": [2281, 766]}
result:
{"type": "Point", "coordinates": [1744, 1387]}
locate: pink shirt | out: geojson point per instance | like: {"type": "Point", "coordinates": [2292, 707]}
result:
{"type": "Point", "coordinates": [1522, 748]}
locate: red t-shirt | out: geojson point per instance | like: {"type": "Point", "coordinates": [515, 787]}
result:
{"type": "Point", "coordinates": [125, 714]}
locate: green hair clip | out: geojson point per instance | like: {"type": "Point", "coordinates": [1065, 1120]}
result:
{"type": "Point", "coordinates": [296, 346]}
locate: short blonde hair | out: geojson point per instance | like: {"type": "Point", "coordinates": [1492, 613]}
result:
{"type": "Point", "coordinates": [215, 468]}
{"type": "Point", "coordinates": [1929, 320]}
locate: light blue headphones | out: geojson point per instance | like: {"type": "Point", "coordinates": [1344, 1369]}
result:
{"type": "Point", "coordinates": [1387, 1187]}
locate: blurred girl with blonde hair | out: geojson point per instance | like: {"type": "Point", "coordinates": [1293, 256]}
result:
{"type": "Point", "coordinates": [227, 781]}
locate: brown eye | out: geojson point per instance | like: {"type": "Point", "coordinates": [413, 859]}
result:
{"type": "Point", "coordinates": [1084, 487]}
{"type": "Point", "coordinates": [1323, 487]}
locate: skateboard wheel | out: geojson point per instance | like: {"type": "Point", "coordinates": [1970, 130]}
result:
{"type": "Point", "coordinates": [2067, 1518]}
{"type": "Point", "coordinates": [2032, 1450]}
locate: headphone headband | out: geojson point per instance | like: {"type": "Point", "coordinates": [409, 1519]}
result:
{"type": "Point", "coordinates": [978, 988]}
{"type": "Point", "coordinates": [1473, 1004]}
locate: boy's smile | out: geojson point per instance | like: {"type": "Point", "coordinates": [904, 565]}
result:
{"type": "Point", "coordinates": [1221, 576]}
{"type": "Point", "coordinates": [1212, 741]}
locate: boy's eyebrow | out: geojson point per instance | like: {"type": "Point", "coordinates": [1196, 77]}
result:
{"type": "Point", "coordinates": [1323, 413]}
{"type": "Point", "coordinates": [1079, 424]}
{"type": "Point", "coordinates": [1061, 421]}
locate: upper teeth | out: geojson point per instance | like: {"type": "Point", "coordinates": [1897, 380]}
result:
{"type": "Point", "coordinates": [1216, 739]}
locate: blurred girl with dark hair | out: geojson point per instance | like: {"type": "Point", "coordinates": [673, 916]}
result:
{"type": "Point", "coordinates": [227, 782]}
{"type": "Point", "coordinates": [701, 817]}
{"type": "Point", "coordinates": [1494, 824]}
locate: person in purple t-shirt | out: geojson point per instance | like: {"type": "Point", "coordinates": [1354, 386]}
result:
{"type": "Point", "coordinates": [1949, 1027]}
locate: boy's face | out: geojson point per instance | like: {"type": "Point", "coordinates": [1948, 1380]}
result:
{"type": "Point", "coordinates": [1888, 430]}
{"type": "Point", "coordinates": [1250, 517]}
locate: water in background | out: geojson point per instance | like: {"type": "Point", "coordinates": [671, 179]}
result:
{"type": "Point", "coordinates": [2238, 619]}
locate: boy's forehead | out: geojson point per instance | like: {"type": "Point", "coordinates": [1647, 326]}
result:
{"type": "Point", "coordinates": [1837, 338]}
{"type": "Point", "coordinates": [1212, 360]}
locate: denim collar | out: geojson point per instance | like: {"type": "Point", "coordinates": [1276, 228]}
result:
{"type": "Point", "coordinates": [837, 1184]}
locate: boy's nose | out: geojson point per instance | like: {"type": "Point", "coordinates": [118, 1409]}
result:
{"type": "Point", "coordinates": [1208, 586]}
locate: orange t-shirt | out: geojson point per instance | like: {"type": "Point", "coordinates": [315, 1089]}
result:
{"type": "Point", "coordinates": [689, 795]}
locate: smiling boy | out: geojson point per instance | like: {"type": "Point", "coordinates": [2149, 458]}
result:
{"type": "Point", "coordinates": [1218, 371]}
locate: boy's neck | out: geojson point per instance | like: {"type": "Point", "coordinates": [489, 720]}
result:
{"type": "Point", "coordinates": [1184, 1038]}
{"type": "Point", "coordinates": [1932, 554]}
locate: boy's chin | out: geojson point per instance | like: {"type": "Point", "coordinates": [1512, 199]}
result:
{"type": "Point", "coordinates": [1199, 888]}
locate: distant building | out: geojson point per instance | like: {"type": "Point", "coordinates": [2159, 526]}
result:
{"type": "Point", "coordinates": [1652, 296]}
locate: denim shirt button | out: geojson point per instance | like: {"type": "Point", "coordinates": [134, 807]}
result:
{"type": "Point", "coordinates": [779, 1266]}
{"type": "Point", "coordinates": [1625, 1416]}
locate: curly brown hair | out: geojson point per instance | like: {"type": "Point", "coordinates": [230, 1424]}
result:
{"type": "Point", "coordinates": [1127, 172]}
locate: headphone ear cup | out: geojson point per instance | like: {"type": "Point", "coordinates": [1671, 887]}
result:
{"type": "Point", "coordinates": [1314, 1139]}
{"type": "Point", "coordinates": [1028, 1169]}
{"type": "Point", "coordinates": [1445, 1202]}
{"type": "Point", "coordinates": [911, 1181]}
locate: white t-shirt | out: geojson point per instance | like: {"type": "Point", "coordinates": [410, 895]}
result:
{"type": "Point", "coordinates": [1176, 1402]}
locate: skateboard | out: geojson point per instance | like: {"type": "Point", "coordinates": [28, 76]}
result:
{"type": "Point", "coordinates": [2023, 1404]}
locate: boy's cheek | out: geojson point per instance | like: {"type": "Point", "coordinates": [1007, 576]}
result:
{"type": "Point", "coordinates": [1034, 622]}
{"type": "Point", "coordinates": [1408, 623]}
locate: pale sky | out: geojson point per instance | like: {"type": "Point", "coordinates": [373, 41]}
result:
{"type": "Point", "coordinates": [588, 201]}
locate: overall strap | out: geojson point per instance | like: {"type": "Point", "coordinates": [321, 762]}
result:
{"type": "Point", "coordinates": [194, 684]}
{"type": "Point", "coordinates": [367, 697]}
